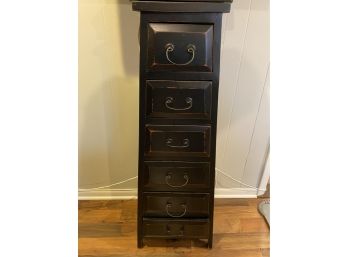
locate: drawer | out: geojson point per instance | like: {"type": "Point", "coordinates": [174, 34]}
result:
{"type": "Point", "coordinates": [180, 47]}
{"type": "Point", "coordinates": [176, 205]}
{"type": "Point", "coordinates": [176, 176]}
{"type": "Point", "coordinates": [176, 228]}
{"type": "Point", "coordinates": [178, 99]}
{"type": "Point", "coordinates": [177, 141]}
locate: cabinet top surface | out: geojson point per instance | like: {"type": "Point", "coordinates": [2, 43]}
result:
{"type": "Point", "coordinates": [182, 5]}
{"type": "Point", "coordinates": [212, 1]}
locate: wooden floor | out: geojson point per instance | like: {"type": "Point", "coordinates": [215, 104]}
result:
{"type": "Point", "coordinates": [108, 229]}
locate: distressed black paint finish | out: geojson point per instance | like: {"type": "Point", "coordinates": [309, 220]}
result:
{"type": "Point", "coordinates": [176, 228]}
{"type": "Point", "coordinates": [180, 36]}
{"type": "Point", "coordinates": [173, 176]}
{"type": "Point", "coordinates": [176, 205]}
{"type": "Point", "coordinates": [179, 80]}
{"type": "Point", "coordinates": [193, 6]}
{"type": "Point", "coordinates": [177, 141]}
{"type": "Point", "coordinates": [178, 99]}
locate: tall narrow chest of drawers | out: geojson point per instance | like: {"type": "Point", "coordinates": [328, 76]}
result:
{"type": "Point", "coordinates": [179, 80]}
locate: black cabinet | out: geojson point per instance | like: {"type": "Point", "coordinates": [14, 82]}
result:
{"type": "Point", "coordinates": [180, 46]}
{"type": "Point", "coordinates": [175, 205]}
{"type": "Point", "coordinates": [179, 228]}
{"type": "Point", "coordinates": [178, 99]}
{"type": "Point", "coordinates": [173, 176]}
{"type": "Point", "coordinates": [177, 141]}
{"type": "Point", "coordinates": [179, 81]}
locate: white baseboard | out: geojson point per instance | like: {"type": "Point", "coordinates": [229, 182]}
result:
{"type": "Point", "coordinates": [124, 194]}
{"type": "Point", "coordinates": [265, 177]}
{"type": "Point", "coordinates": [108, 194]}
{"type": "Point", "coordinates": [235, 193]}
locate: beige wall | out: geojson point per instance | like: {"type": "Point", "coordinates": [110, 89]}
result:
{"type": "Point", "coordinates": [108, 97]}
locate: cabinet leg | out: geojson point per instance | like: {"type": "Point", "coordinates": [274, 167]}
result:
{"type": "Point", "coordinates": [140, 243]}
{"type": "Point", "coordinates": [210, 243]}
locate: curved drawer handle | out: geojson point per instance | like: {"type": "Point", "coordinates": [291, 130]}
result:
{"type": "Point", "coordinates": [176, 216]}
{"type": "Point", "coordinates": [170, 100]}
{"type": "Point", "coordinates": [169, 231]}
{"type": "Point", "coordinates": [169, 176]}
{"type": "Point", "coordinates": [190, 49]}
{"type": "Point", "coordinates": [186, 143]}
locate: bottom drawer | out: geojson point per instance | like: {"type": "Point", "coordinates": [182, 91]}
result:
{"type": "Point", "coordinates": [176, 228]}
{"type": "Point", "coordinates": [176, 205]}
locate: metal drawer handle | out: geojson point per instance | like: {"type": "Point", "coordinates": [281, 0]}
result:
{"type": "Point", "coordinates": [181, 231]}
{"type": "Point", "coordinates": [169, 176]}
{"type": "Point", "coordinates": [190, 49]}
{"type": "Point", "coordinates": [176, 216]}
{"type": "Point", "coordinates": [186, 143]}
{"type": "Point", "coordinates": [170, 100]}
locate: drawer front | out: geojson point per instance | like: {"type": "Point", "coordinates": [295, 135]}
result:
{"type": "Point", "coordinates": [177, 141]}
{"type": "Point", "coordinates": [178, 99]}
{"type": "Point", "coordinates": [176, 176]}
{"type": "Point", "coordinates": [180, 47]}
{"type": "Point", "coordinates": [176, 228]}
{"type": "Point", "coordinates": [176, 205]}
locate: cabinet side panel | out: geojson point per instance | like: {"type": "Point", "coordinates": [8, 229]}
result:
{"type": "Point", "coordinates": [143, 49]}
{"type": "Point", "coordinates": [215, 92]}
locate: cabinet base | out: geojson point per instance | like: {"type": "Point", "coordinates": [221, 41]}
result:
{"type": "Point", "coordinates": [208, 243]}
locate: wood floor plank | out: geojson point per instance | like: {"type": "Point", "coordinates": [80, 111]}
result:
{"type": "Point", "coordinates": [228, 202]}
{"type": "Point", "coordinates": [238, 211]}
{"type": "Point", "coordinates": [91, 216]}
{"type": "Point", "coordinates": [265, 252]}
{"type": "Point", "coordinates": [108, 229]}
{"type": "Point", "coordinates": [224, 223]}
{"type": "Point", "coordinates": [99, 230]}
{"type": "Point", "coordinates": [228, 253]}
{"type": "Point", "coordinates": [248, 225]}
{"type": "Point", "coordinates": [244, 241]}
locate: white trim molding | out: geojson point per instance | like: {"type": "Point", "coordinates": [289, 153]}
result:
{"type": "Point", "coordinates": [238, 192]}
{"type": "Point", "coordinates": [126, 194]}
{"type": "Point", "coordinates": [265, 177]}
{"type": "Point", "coordinates": [108, 194]}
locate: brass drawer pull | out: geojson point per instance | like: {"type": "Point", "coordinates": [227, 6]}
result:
{"type": "Point", "coordinates": [169, 205]}
{"type": "Point", "coordinates": [186, 143]}
{"type": "Point", "coordinates": [169, 176]}
{"type": "Point", "coordinates": [169, 231]}
{"type": "Point", "coordinates": [170, 100]}
{"type": "Point", "coordinates": [190, 49]}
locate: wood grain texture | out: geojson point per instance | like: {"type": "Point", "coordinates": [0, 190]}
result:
{"type": "Point", "coordinates": [108, 229]}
